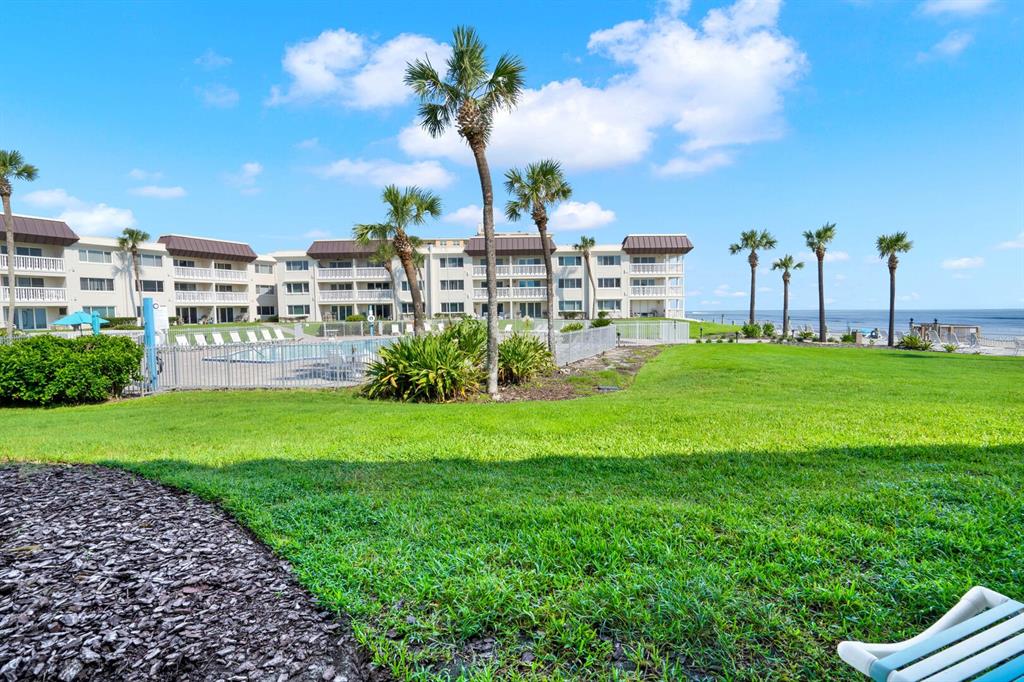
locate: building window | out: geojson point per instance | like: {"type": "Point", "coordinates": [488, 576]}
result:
{"type": "Point", "coordinates": [31, 318]}
{"type": "Point", "coordinates": [296, 287]}
{"type": "Point", "coordinates": [378, 286]}
{"type": "Point", "coordinates": [647, 260]}
{"type": "Point", "coordinates": [674, 304]}
{"type": "Point", "coordinates": [608, 282]}
{"type": "Point", "coordinates": [295, 265]}
{"type": "Point", "coordinates": [222, 266]}
{"type": "Point", "coordinates": [609, 260]}
{"type": "Point", "coordinates": [339, 264]}
{"type": "Point", "coordinates": [264, 269]}
{"type": "Point", "coordinates": [452, 307]}
{"type": "Point", "coordinates": [405, 285]}
{"type": "Point", "coordinates": [452, 285]}
{"type": "Point", "coordinates": [532, 260]}
{"type": "Point", "coordinates": [340, 286]}
{"type": "Point", "coordinates": [185, 286]}
{"type": "Point", "coordinates": [298, 310]}
{"type": "Point", "coordinates": [101, 310]}
{"type": "Point", "coordinates": [183, 263]}
{"type": "Point", "coordinates": [97, 284]}
{"type": "Point", "coordinates": [573, 283]}
{"type": "Point", "coordinates": [94, 256]}
{"type": "Point", "coordinates": [570, 306]}
{"type": "Point", "coordinates": [266, 310]}
{"type": "Point", "coordinates": [644, 282]}
{"type": "Point", "coordinates": [151, 285]}
{"type": "Point", "coordinates": [569, 261]}
{"type": "Point", "coordinates": [264, 290]}
{"type": "Point", "coordinates": [609, 304]}
{"type": "Point", "coordinates": [23, 250]}
{"type": "Point", "coordinates": [151, 260]}
{"type": "Point", "coordinates": [452, 262]}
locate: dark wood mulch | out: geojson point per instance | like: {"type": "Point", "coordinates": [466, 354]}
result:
{"type": "Point", "coordinates": [626, 361]}
{"type": "Point", "coordinates": [105, 575]}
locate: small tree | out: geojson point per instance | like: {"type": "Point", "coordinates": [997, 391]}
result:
{"type": "Point", "coordinates": [12, 167]}
{"type": "Point", "coordinates": [753, 241]}
{"type": "Point", "coordinates": [129, 242]}
{"type": "Point", "coordinates": [888, 246]}
{"type": "Point", "coordinates": [584, 246]}
{"type": "Point", "coordinates": [787, 263]}
{"type": "Point", "coordinates": [818, 242]}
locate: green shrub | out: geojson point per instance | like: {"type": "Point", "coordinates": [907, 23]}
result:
{"type": "Point", "coordinates": [602, 315]}
{"type": "Point", "coordinates": [949, 347]}
{"type": "Point", "coordinates": [572, 327]}
{"type": "Point", "coordinates": [600, 322]}
{"type": "Point", "coordinates": [123, 323]}
{"type": "Point", "coordinates": [471, 337]}
{"type": "Point", "coordinates": [721, 341]}
{"type": "Point", "coordinates": [848, 337]}
{"type": "Point", "coordinates": [358, 317]}
{"type": "Point", "coordinates": [571, 314]}
{"type": "Point", "coordinates": [50, 370]}
{"type": "Point", "coordinates": [521, 357]}
{"type": "Point", "coordinates": [751, 331]}
{"type": "Point", "coordinates": [805, 335]}
{"type": "Point", "coordinates": [768, 329]}
{"type": "Point", "coordinates": [428, 368]}
{"type": "Point", "coordinates": [732, 340]}
{"type": "Point", "coordinates": [914, 342]}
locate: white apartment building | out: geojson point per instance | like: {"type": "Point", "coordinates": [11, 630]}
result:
{"type": "Point", "coordinates": [215, 280]}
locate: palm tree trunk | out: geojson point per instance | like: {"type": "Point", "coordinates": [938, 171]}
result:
{"type": "Point", "coordinates": [892, 305]}
{"type": "Point", "coordinates": [785, 306]}
{"type": "Point", "coordinates": [753, 290]}
{"type": "Point", "coordinates": [138, 279]}
{"type": "Point", "coordinates": [592, 292]}
{"type": "Point", "coordinates": [484, 171]}
{"type": "Point", "coordinates": [404, 250]}
{"type": "Point", "coordinates": [542, 227]}
{"type": "Point", "coordinates": [821, 298]}
{"type": "Point", "coordinates": [394, 290]}
{"type": "Point", "coordinates": [9, 232]}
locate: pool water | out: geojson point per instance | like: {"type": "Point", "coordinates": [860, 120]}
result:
{"type": "Point", "coordinates": [289, 352]}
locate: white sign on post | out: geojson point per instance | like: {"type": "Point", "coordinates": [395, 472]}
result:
{"type": "Point", "coordinates": [161, 322]}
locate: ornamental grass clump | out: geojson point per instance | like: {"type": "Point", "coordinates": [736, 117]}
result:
{"type": "Point", "coordinates": [429, 368]}
{"type": "Point", "coordinates": [522, 357]}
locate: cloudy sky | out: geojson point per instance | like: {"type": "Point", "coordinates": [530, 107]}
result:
{"type": "Point", "coordinates": [707, 118]}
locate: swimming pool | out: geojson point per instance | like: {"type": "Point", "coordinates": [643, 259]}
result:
{"type": "Point", "coordinates": [362, 350]}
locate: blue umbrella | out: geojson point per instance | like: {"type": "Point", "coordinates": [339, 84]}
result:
{"type": "Point", "coordinates": [81, 317]}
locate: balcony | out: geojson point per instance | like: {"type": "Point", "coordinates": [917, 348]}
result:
{"type": "Point", "coordinates": [655, 268]}
{"type": "Point", "coordinates": [511, 271]}
{"type": "Point", "coordinates": [352, 273]}
{"type": "Point", "coordinates": [231, 297]}
{"type": "Point", "coordinates": [46, 295]}
{"type": "Point", "coordinates": [192, 273]}
{"type": "Point", "coordinates": [656, 292]}
{"type": "Point", "coordinates": [232, 275]}
{"type": "Point", "coordinates": [195, 297]}
{"type": "Point", "coordinates": [514, 293]}
{"type": "Point", "coordinates": [357, 295]}
{"type": "Point", "coordinates": [33, 263]}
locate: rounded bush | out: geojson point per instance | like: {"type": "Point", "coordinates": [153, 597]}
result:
{"type": "Point", "coordinates": [572, 327]}
{"type": "Point", "coordinates": [521, 357]}
{"type": "Point", "coordinates": [427, 368]}
{"type": "Point", "coordinates": [600, 322]}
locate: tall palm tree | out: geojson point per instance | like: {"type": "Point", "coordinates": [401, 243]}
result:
{"type": "Point", "coordinates": [786, 264]}
{"type": "Point", "coordinates": [467, 98]}
{"type": "Point", "coordinates": [384, 256]}
{"type": "Point", "coordinates": [888, 246]}
{"type": "Point", "coordinates": [818, 242]}
{"type": "Point", "coordinates": [753, 241]}
{"type": "Point", "coordinates": [129, 242]}
{"type": "Point", "coordinates": [584, 245]}
{"type": "Point", "coordinates": [411, 206]}
{"type": "Point", "coordinates": [12, 167]}
{"type": "Point", "coordinates": [542, 184]}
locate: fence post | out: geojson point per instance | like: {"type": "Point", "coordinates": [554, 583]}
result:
{"type": "Point", "coordinates": [149, 341]}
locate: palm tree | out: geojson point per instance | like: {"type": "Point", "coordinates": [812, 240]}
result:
{"type": "Point", "coordinates": [540, 186]}
{"type": "Point", "coordinates": [786, 264]}
{"type": "Point", "coordinates": [584, 245]}
{"type": "Point", "coordinates": [753, 241]}
{"type": "Point", "coordinates": [411, 206]}
{"type": "Point", "coordinates": [129, 242]}
{"type": "Point", "coordinates": [12, 167]}
{"type": "Point", "coordinates": [818, 241]}
{"type": "Point", "coordinates": [888, 246]}
{"type": "Point", "coordinates": [384, 257]}
{"type": "Point", "coordinates": [467, 98]}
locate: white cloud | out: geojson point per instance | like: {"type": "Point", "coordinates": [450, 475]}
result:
{"type": "Point", "coordinates": [964, 263]}
{"type": "Point", "coordinates": [1017, 243]}
{"type": "Point", "coordinates": [140, 174]}
{"type": "Point", "coordinates": [576, 215]}
{"type": "Point", "coordinates": [959, 8]}
{"type": "Point", "coordinates": [246, 177]}
{"type": "Point", "coordinates": [380, 172]}
{"type": "Point", "coordinates": [949, 47]}
{"type": "Point", "coordinates": [158, 192]}
{"type": "Point", "coordinates": [724, 290]}
{"type": "Point", "coordinates": [342, 65]}
{"type": "Point", "coordinates": [310, 143]}
{"type": "Point", "coordinates": [210, 60]}
{"type": "Point", "coordinates": [218, 95]}
{"type": "Point", "coordinates": [830, 257]}
{"type": "Point", "coordinates": [716, 85]}
{"type": "Point", "coordinates": [83, 217]}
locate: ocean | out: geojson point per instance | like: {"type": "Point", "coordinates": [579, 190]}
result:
{"type": "Point", "coordinates": [993, 323]}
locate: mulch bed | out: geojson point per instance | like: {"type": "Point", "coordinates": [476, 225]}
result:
{"type": "Point", "coordinates": [105, 575]}
{"type": "Point", "coordinates": [625, 360]}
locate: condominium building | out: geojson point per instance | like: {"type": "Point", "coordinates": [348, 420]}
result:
{"type": "Point", "coordinates": [202, 279]}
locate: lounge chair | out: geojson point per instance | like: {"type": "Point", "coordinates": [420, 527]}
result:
{"type": "Point", "coordinates": [181, 340]}
{"type": "Point", "coordinates": [278, 334]}
{"type": "Point", "coordinates": [235, 338]}
{"type": "Point", "coordinates": [265, 333]}
{"type": "Point", "coordinates": [440, 326]}
{"type": "Point", "coordinates": [200, 339]}
{"type": "Point", "coordinates": [395, 330]}
{"type": "Point", "coordinates": [410, 328]}
{"type": "Point", "coordinates": [427, 327]}
{"type": "Point", "coordinates": [250, 336]}
{"type": "Point", "coordinates": [508, 328]}
{"type": "Point", "coordinates": [218, 340]}
{"type": "Point", "coordinates": [981, 638]}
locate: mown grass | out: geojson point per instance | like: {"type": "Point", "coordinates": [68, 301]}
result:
{"type": "Point", "coordinates": [734, 513]}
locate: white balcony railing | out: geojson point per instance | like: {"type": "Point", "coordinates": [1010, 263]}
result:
{"type": "Point", "coordinates": [233, 275]}
{"type": "Point", "coordinates": [36, 294]}
{"type": "Point", "coordinates": [195, 296]}
{"type": "Point", "coordinates": [192, 273]}
{"type": "Point", "coordinates": [231, 297]}
{"type": "Point", "coordinates": [655, 268]}
{"type": "Point", "coordinates": [511, 271]}
{"type": "Point", "coordinates": [374, 294]}
{"type": "Point", "coordinates": [331, 296]}
{"type": "Point", "coordinates": [516, 293]}
{"type": "Point", "coordinates": [656, 292]}
{"type": "Point", "coordinates": [34, 263]}
{"type": "Point", "coordinates": [352, 273]}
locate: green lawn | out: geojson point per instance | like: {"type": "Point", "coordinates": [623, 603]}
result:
{"type": "Point", "coordinates": [734, 513]}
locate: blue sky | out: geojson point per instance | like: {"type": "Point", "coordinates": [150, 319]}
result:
{"type": "Point", "coordinates": [276, 127]}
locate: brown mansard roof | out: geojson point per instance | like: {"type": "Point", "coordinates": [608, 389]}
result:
{"type": "Point", "coordinates": [657, 243]}
{"type": "Point", "coordinates": [39, 231]}
{"type": "Point", "coordinates": [509, 245]}
{"type": "Point", "coordinates": [340, 248]}
{"type": "Point", "coordinates": [194, 247]}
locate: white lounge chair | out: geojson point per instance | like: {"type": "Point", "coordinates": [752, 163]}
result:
{"type": "Point", "coordinates": [250, 336]}
{"type": "Point", "coordinates": [410, 328]}
{"type": "Point", "coordinates": [427, 327]}
{"type": "Point", "coordinates": [265, 333]}
{"type": "Point", "coordinates": [981, 638]}
{"type": "Point", "coordinates": [218, 340]}
{"type": "Point", "coordinates": [235, 338]}
{"type": "Point", "coordinates": [395, 330]}
{"type": "Point", "coordinates": [508, 328]}
{"type": "Point", "coordinates": [181, 340]}
{"type": "Point", "coordinates": [278, 334]}
{"type": "Point", "coordinates": [200, 339]}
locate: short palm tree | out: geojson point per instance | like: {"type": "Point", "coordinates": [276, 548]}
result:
{"type": "Point", "coordinates": [818, 242]}
{"type": "Point", "coordinates": [753, 241]}
{"type": "Point", "coordinates": [384, 256]}
{"type": "Point", "coordinates": [787, 263]}
{"type": "Point", "coordinates": [888, 246]}
{"type": "Point", "coordinates": [12, 167]}
{"type": "Point", "coordinates": [584, 246]}
{"type": "Point", "coordinates": [467, 98]}
{"type": "Point", "coordinates": [411, 206]}
{"type": "Point", "coordinates": [541, 185]}
{"type": "Point", "coordinates": [129, 242]}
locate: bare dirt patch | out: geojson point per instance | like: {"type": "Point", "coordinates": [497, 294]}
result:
{"type": "Point", "coordinates": [609, 371]}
